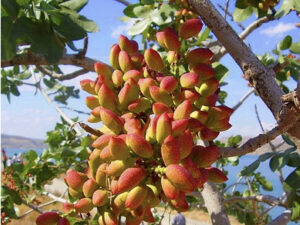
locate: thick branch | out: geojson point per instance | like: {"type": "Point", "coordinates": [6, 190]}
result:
{"type": "Point", "coordinates": [283, 219]}
{"type": "Point", "coordinates": [259, 76]}
{"type": "Point", "coordinates": [268, 199]}
{"type": "Point", "coordinates": [254, 143]}
{"type": "Point", "coordinates": [214, 203]}
{"type": "Point", "coordinates": [62, 77]}
{"type": "Point", "coordinates": [68, 59]}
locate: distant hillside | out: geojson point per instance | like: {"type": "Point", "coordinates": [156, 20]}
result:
{"type": "Point", "coordinates": [11, 141]}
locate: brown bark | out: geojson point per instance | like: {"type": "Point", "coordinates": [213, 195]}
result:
{"type": "Point", "coordinates": [261, 77]}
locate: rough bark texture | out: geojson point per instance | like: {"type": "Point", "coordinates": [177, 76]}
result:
{"type": "Point", "coordinates": [261, 77]}
{"type": "Point", "coordinates": [30, 59]}
{"type": "Point", "coordinates": [283, 219]}
{"type": "Point", "coordinates": [214, 203]}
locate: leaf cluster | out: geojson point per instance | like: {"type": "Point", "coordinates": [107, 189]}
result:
{"type": "Point", "coordinates": [42, 27]}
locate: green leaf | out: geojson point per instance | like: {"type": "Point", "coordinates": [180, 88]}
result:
{"type": "Point", "coordinates": [11, 8]}
{"type": "Point", "coordinates": [266, 185]}
{"type": "Point", "coordinates": [285, 8]}
{"type": "Point", "coordinates": [295, 47]}
{"type": "Point", "coordinates": [5, 191]}
{"type": "Point", "coordinates": [62, 21]}
{"type": "Point", "coordinates": [31, 155]}
{"type": "Point", "coordinates": [253, 166]}
{"type": "Point", "coordinates": [240, 15]}
{"type": "Point", "coordinates": [203, 36]}
{"type": "Point", "coordinates": [293, 159]}
{"type": "Point", "coordinates": [293, 180]}
{"type": "Point", "coordinates": [294, 203]}
{"type": "Point", "coordinates": [147, 2]}
{"type": "Point", "coordinates": [142, 11]}
{"type": "Point", "coordinates": [288, 140]}
{"type": "Point", "coordinates": [297, 5]}
{"type": "Point", "coordinates": [221, 72]}
{"type": "Point", "coordinates": [47, 44]}
{"type": "Point", "coordinates": [24, 75]}
{"type": "Point", "coordinates": [277, 162]}
{"type": "Point", "coordinates": [139, 27]}
{"type": "Point", "coordinates": [76, 5]}
{"type": "Point", "coordinates": [71, 25]}
{"type": "Point", "coordinates": [128, 11]}
{"type": "Point", "coordinates": [8, 41]}
{"type": "Point", "coordinates": [249, 169]}
{"type": "Point", "coordinates": [240, 4]}
{"type": "Point", "coordinates": [164, 15]}
{"type": "Point", "coordinates": [285, 43]}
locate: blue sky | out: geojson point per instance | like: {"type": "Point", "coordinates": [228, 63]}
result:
{"type": "Point", "coordinates": [31, 115]}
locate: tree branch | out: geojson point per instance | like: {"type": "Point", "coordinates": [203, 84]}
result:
{"type": "Point", "coordinates": [229, 14]}
{"type": "Point", "coordinates": [67, 59]}
{"type": "Point", "coordinates": [55, 198]}
{"type": "Point", "coordinates": [214, 203]}
{"type": "Point", "coordinates": [283, 219]}
{"type": "Point", "coordinates": [32, 206]}
{"type": "Point", "coordinates": [243, 99]}
{"type": "Point", "coordinates": [246, 32]}
{"type": "Point", "coordinates": [273, 148]}
{"type": "Point", "coordinates": [259, 76]}
{"type": "Point", "coordinates": [63, 115]}
{"type": "Point", "coordinates": [123, 2]}
{"type": "Point", "coordinates": [254, 143]}
{"type": "Point", "coordinates": [268, 199]}
{"type": "Point", "coordinates": [61, 77]}
{"type": "Point", "coordinates": [90, 130]}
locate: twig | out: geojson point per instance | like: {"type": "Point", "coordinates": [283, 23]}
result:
{"type": "Point", "coordinates": [268, 199]}
{"type": "Point", "coordinates": [74, 110]}
{"type": "Point", "coordinates": [243, 99]}
{"type": "Point", "coordinates": [241, 209]}
{"type": "Point", "coordinates": [267, 210]}
{"type": "Point", "coordinates": [258, 119]}
{"type": "Point", "coordinates": [90, 130]}
{"type": "Point", "coordinates": [60, 76]}
{"type": "Point", "coordinates": [123, 2]}
{"type": "Point", "coordinates": [82, 53]}
{"type": "Point", "coordinates": [246, 32]}
{"type": "Point", "coordinates": [270, 143]}
{"type": "Point", "coordinates": [226, 9]}
{"type": "Point", "coordinates": [32, 206]}
{"type": "Point", "coordinates": [163, 215]}
{"type": "Point", "coordinates": [40, 206]}
{"type": "Point", "coordinates": [233, 185]}
{"type": "Point", "coordinates": [63, 115]}
{"type": "Point", "coordinates": [55, 198]}
{"type": "Point", "coordinates": [230, 15]}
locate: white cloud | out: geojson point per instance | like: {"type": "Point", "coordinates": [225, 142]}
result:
{"type": "Point", "coordinates": [122, 29]}
{"type": "Point", "coordinates": [278, 29]}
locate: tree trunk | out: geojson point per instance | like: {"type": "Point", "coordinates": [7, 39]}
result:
{"type": "Point", "coordinates": [214, 203]}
